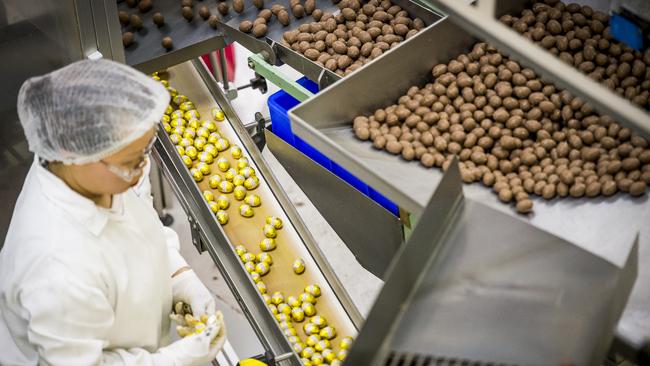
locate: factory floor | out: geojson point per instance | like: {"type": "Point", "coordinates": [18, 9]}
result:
{"type": "Point", "coordinates": [359, 283]}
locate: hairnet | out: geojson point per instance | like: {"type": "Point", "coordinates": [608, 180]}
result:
{"type": "Point", "coordinates": [88, 110]}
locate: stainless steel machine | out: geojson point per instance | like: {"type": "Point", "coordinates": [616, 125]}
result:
{"type": "Point", "coordinates": [462, 286]}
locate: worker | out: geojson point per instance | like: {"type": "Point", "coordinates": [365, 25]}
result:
{"type": "Point", "coordinates": [88, 274]}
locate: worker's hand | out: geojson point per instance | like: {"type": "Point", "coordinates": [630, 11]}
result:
{"type": "Point", "coordinates": [187, 287]}
{"type": "Point", "coordinates": [200, 348]}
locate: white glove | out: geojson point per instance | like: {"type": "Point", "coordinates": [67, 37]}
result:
{"type": "Point", "coordinates": [187, 287]}
{"type": "Point", "coordinates": [198, 349]}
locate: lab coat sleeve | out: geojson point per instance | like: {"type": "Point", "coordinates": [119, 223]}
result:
{"type": "Point", "coordinates": [143, 190]}
{"type": "Point", "coordinates": [69, 319]}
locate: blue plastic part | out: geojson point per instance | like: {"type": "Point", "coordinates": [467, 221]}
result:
{"type": "Point", "coordinates": [626, 31]}
{"type": "Point", "coordinates": [279, 105]}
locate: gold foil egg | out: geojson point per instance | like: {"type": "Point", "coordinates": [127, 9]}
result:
{"type": "Point", "coordinates": [217, 114]}
{"type": "Point", "coordinates": [172, 92]}
{"type": "Point", "coordinates": [298, 266]}
{"type": "Point", "coordinates": [267, 244]}
{"type": "Point", "coordinates": [346, 342]}
{"type": "Point", "coordinates": [327, 333]}
{"type": "Point", "coordinates": [275, 221]}
{"type": "Point", "coordinates": [273, 308]}
{"type": "Point", "coordinates": [223, 164]}
{"type": "Point", "coordinates": [177, 114]}
{"type": "Point", "coordinates": [307, 352]}
{"type": "Point", "coordinates": [265, 258]}
{"type": "Point", "coordinates": [239, 193]}
{"type": "Point", "coordinates": [196, 174]}
{"type": "Point", "coordinates": [214, 137]}
{"type": "Point", "coordinates": [203, 132]}
{"type": "Point", "coordinates": [194, 123]}
{"type": "Point", "coordinates": [180, 99]}
{"type": "Point", "coordinates": [290, 332]}
{"type": "Point", "coordinates": [267, 299]}
{"type": "Point", "coordinates": [310, 328]}
{"type": "Point", "coordinates": [292, 339]}
{"type": "Point", "coordinates": [277, 298]}
{"type": "Point", "coordinates": [180, 150]}
{"type": "Point", "coordinates": [175, 138]}
{"type": "Point", "coordinates": [308, 308]}
{"type": "Point", "coordinates": [187, 161]}
{"type": "Point", "coordinates": [169, 110]}
{"type": "Point", "coordinates": [240, 250]}
{"type": "Point", "coordinates": [293, 301]}
{"type": "Point", "coordinates": [200, 143]}
{"type": "Point", "coordinates": [189, 133]}
{"type": "Point", "coordinates": [336, 363]}
{"type": "Point", "coordinates": [297, 314]}
{"type": "Point", "coordinates": [213, 207]}
{"type": "Point", "coordinates": [245, 210]}
{"type": "Point", "coordinates": [214, 181]}
{"type": "Point", "coordinates": [192, 152]}
{"type": "Point", "coordinates": [328, 355]}
{"type": "Point", "coordinates": [165, 83]}
{"type": "Point", "coordinates": [342, 354]}
{"type": "Point", "coordinates": [305, 362]}
{"type": "Point", "coordinates": [208, 195]}
{"type": "Point", "coordinates": [230, 174]}
{"type": "Point", "coordinates": [242, 163]}
{"type": "Point", "coordinates": [223, 202]}
{"type": "Point", "coordinates": [262, 268]}
{"type": "Point", "coordinates": [261, 287]}
{"type": "Point", "coordinates": [209, 125]}
{"type": "Point", "coordinates": [250, 267]}
{"type": "Point", "coordinates": [225, 187]}
{"type": "Point", "coordinates": [167, 127]}
{"type": "Point", "coordinates": [254, 201]}
{"type": "Point", "coordinates": [210, 149]}
{"type": "Point", "coordinates": [313, 289]}
{"type": "Point", "coordinates": [256, 277]}
{"type": "Point", "coordinates": [235, 152]}
{"type": "Point", "coordinates": [317, 359]}
{"type": "Point", "coordinates": [312, 340]}
{"type": "Point", "coordinates": [222, 217]}
{"type": "Point", "coordinates": [284, 308]}
{"type": "Point", "coordinates": [269, 231]}
{"type": "Point", "coordinates": [319, 320]}
{"type": "Point", "coordinates": [322, 345]}
{"type": "Point", "coordinates": [165, 119]}
{"type": "Point", "coordinates": [247, 257]}
{"type": "Point", "coordinates": [179, 130]}
{"type": "Point", "coordinates": [222, 144]}
{"type": "Point", "coordinates": [204, 168]}
{"type": "Point", "coordinates": [239, 180]}
{"type": "Point", "coordinates": [307, 297]}
{"type": "Point", "coordinates": [247, 172]}
{"type": "Point", "coordinates": [193, 113]}
{"type": "Point", "coordinates": [298, 347]}
{"type": "Point", "coordinates": [286, 325]}
{"type": "Point", "coordinates": [186, 142]}
{"type": "Point", "coordinates": [282, 317]}
{"type": "Point", "coordinates": [186, 106]}
{"type": "Point", "coordinates": [251, 183]}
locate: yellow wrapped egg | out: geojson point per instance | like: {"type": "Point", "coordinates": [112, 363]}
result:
{"type": "Point", "coordinates": [214, 137]}
{"type": "Point", "coordinates": [196, 174]}
{"type": "Point", "coordinates": [206, 157]}
{"type": "Point", "coordinates": [261, 287]}
{"type": "Point", "coordinates": [239, 193]}
{"type": "Point", "coordinates": [225, 187]}
{"type": "Point", "coordinates": [336, 363]}
{"type": "Point", "coordinates": [282, 317]}
{"type": "Point", "coordinates": [238, 180]}
{"type": "Point", "coordinates": [223, 164]}
{"type": "Point", "coordinates": [172, 92]}
{"type": "Point", "coordinates": [167, 127]}
{"type": "Point", "coordinates": [230, 174]}
{"type": "Point", "coordinates": [275, 221]}
{"type": "Point", "coordinates": [312, 340]}
{"type": "Point", "coordinates": [186, 106]}
{"type": "Point", "coordinates": [298, 347]}
{"type": "Point", "coordinates": [307, 297]}
{"type": "Point", "coordinates": [256, 277]}
{"type": "Point", "coordinates": [240, 250]}
{"type": "Point", "coordinates": [297, 314]}
{"type": "Point", "coordinates": [247, 257]}
{"type": "Point", "coordinates": [209, 125]}
{"type": "Point", "coordinates": [342, 354]}
{"type": "Point", "coordinates": [286, 325]}
{"type": "Point", "coordinates": [179, 130]}
{"type": "Point", "coordinates": [187, 161]}
{"type": "Point", "coordinates": [223, 202]}
{"type": "Point", "coordinates": [177, 114]}
{"type": "Point", "coordinates": [203, 132]}
{"type": "Point", "coordinates": [292, 339]}
{"type": "Point", "coordinates": [290, 332]}
{"type": "Point", "coordinates": [222, 144]}
{"type": "Point", "coordinates": [222, 217]}
{"type": "Point", "coordinates": [217, 114]}
{"type": "Point", "coordinates": [247, 172]}
{"type": "Point", "coordinates": [214, 181]}
{"type": "Point", "coordinates": [307, 352]}
{"type": "Point", "coordinates": [293, 301]}
{"type": "Point", "coordinates": [322, 345]}
{"type": "Point", "coordinates": [319, 320]}
{"type": "Point", "coordinates": [210, 149]}
{"type": "Point", "coordinates": [169, 110]}
{"type": "Point", "coordinates": [267, 299]}
{"type": "Point", "coordinates": [186, 142]}
{"type": "Point", "coordinates": [255, 201]}
{"type": "Point", "coordinates": [269, 231]}
{"type": "Point", "coordinates": [180, 150]}
{"type": "Point", "coordinates": [245, 210]}
{"type": "Point", "coordinates": [308, 308]}
{"type": "Point", "coordinates": [317, 359]}
{"type": "Point", "coordinates": [242, 163]}
{"type": "Point", "coordinates": [251, 183]}
{"type": "Point", "coordinates": [313, 289]}
{"type": "Point", "coordinates": [192, 152]}
{"type": "Point", "coordinates": [204, 168]}
{"type": "Point", "coordinates": [178, 122]}
{"type": "Point", "coordinates": [165, 83]}
{"type": "Point", "coordinates": [194, 123]}
{"type": "Point", "coordinates": [193, 113]}
{"type": "Point", "coordinates": [273, 308]}
{"type": "Point", "coordinates": [175, 138]}
{"type": "Point", "coordinates": [277, 298]}
{"type": "Point", "coordinates": [346, 342]}
{"type": "Point", "coordinates": [180, 99]}
{"type": "Point", "coordinates": [265, 258]}
{"type": "Point", "coordinates": [305, 362]}
{"type": "Point", "coordinates": [250, 267]}
{"type": "Point", "coordinates": [155, 77]}
{"type": "Point", "coordinates": [298, 266]}
{"type": "Point", "coordinates": [189, 133]}
{"type": "Point", "coordinates": [200, 143]}
{"type": "Point", "coordinates": [213, 207]}
{"type": "Point", "coordinates": [235, 152]}
{"type": "Point", "coordinates": [267, 244]}
{"type": "Point", "coordinates": [208, 195]}
{"type": "Point", "coordinates": [284, 308]}
{"type": "Point", "coordinates": [328, 355]}
{"type": "Point", "coordinates": [327, 333]}
{"type": "Point", "coordinates": [262, 268]}
{"type": "Point", "coordinates": [310, 328]}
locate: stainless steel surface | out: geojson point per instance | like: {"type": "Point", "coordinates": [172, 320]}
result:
{"type": "Point", "coordinates": [372, 234]}
{"type": "Point", "coordinates": [191, 39]}
{"type": "Point", "coordinates": [603, 225]}
{"type": "Point", "coordinates": [462, 290]}
{"type": "Point", "coordinates": [279, 53]}
{"type": "Point", "coordinates": [546, 64]}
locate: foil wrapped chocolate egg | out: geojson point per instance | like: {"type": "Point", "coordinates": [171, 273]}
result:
{"type": "Point", "coordinates": [306, 297]}
{"type": "Point", "coordinates": [180, 99]}
{"type": "Point", "coordinates": [298, 347]}
{"type": "Point", "coordinates": [319, 320]}
{"type": "Point", "coordinates": [250, 267]}
{"type": "Point", "coordinates": [239, 180]}
{"type": "Point", "coordinates": [177, 114]}
{"type": "Point", "coordinates": [240, 250]}
{"type": "Point", "coordinates": [187, 161]}
{"type": "Point", "coordinates": [192, 113]}
{"type": "Point", "coordinates": [223, 164]}
{"type": "Point", "coordinates": [322, 345]}
{"type": "Point", "coordinates": [242, 163]}
{"type": "Point", "coordinates": [239, 193]}
{"type": "Point", "coordinates": [262, 268]}
{"type": "Point", "coordinates": [251, 183]}
{"type": "Point", "coordinates": [293, 302]}
{"type": "Point", "coordinates": [235, 152]}
{"type": "Point", "coordinates": [307, 352]}
{"type": "Point", "coordinates": [275, 221]}
{"type": "Point", "coordinates": [247, 257]}
{"type": "Point", "coordinates": [203, 132]}
{"type": "Point", "coordinates": [298, 266]}
{"type": "Point", "coordinates": [346, 342]}
{"type": "Point", "coordinates": [223, 202]}
{"type": "Point", "coordinates": [213, 207]}
{"type": "Point", "coordinates": [186, 142]}
{"type": "Point", "coordinates": [256, 277]}
{"type": "Point", "coordinates": [165, 83]}
{"type": "Point", "coordinates": [284, 308]}
{"type": "Point", "coordinates": [255, 201]}
{"type": "Point", "coordinates": [195, 124]}
{"type": "Point", "coordinates": [268, 244]}
{"type": "Point", "coordinates": [179, 130]}
{"type": "Point", "coordinates": [310, 328]}
{"type": "Point", "coordinates": [167, 127]}
{"type": "Point", "coordinates": [317, 359]}
{"type": "Point", "coordinates": [282, 317]}
{"type": "Point", "coordinates": [209, 125]}
{"type": "Point", "coordinates": [247, 172]}
{"type": "Point", "coordinates": [192, 152]}
{"type": "Point", "coordinates": [165, 119]}
{"type": "Point", "coordinates": [214, 181]}
{"type": "Point", "coordinates": [208, 195]}
{"type": "Point", "coordinates": [245, 210]}
{"type": "Point", "coordinates": [210, 149]}
{"type": "Point", "coordinates": [214, 137]}
{"type": "Point", "coordinates": [327, 333]}
{"type": "Point", "coordinates": [225, 187]}
{"type": "Point", "coordinates": [292, 339]}
{"type": "Point", "coordinates": [217, 114]}
{"type": "Point", "coordinates": [290, 332]}
{"type": "Point", "coordinates": [265, 258]}
{"type": "Point", "coordinates": [169, 110]}
{"type": "Point", "coordinates": [267, 299]}
{"type": "Point", "coordinates": [312, 340]}
{"type": "Point", "coordinates": [222, 144]}
{"type": "Point", "coordinates": [196, 174]}
{"type": "Point", "coordinates": [172, 92]}
{"type": "Point", "coordinates": [180, 150]}
{"type": "Point", "coordinates": [305, 362]}
{"type": "Point", "coordinates": [230, 174]}
{"type": "Point", "coordinates": [329, 355]}
{"type": "Point", "coordinates": [204, 168]}
{"type": "Point", "coordinates": [313, 289]}
{"type": "Point", "coordinates": [186, 106]}
{"type": "Point", "coordinates": [342, 355]}
{"type": "Point", "coordinates": [189, 133]}
{"type": "Point", "coordinates": [277, 298]}
{"type": "Point", "coordinates": [175, 138]}
{"type": "Point", "coordinates": [286, 325]}
{"type": "Point", "coordinates": [297, 314]}
{"type": "Point", "coordinates": [336, 362]}
{"type": "Point", "coordinates": [273, 308]}
{"type": "Point", "coordinates": [199, 144]}
{"type": "Point", "coordinates": [222, 217]}
{"type": "Point", "coordinates": [261, 287]}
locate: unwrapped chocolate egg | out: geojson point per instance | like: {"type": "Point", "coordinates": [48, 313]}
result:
{"type": "Point", "coordinates": [250, 267]}
{"type": "Point", "coordinates": [265, 258]}
{"type": "Point", "coordinates": [196, 174]}
{"type": "Point", "coordinates": [222, 217]}
{"type": "Point", "coordinates": [255, 201]}
{"type": "Point", "coordinates": [214, 181]}
{"type": "Point", "coordinates": [217, 114]}
{"type": "Point", "coordinates": [251, 183]}
{"type": "Point", "coordinates": [275, 221]}
{"type": "Point", "coordinates": [223, 164]}
{"type": "Point", "coordinates": [327, 333]}
{"type": "Point", "coordinates": [297, 314]}
{"type": "Point", "coordinates": [222, 144]}
{"type": "Point", "coordinates": [313, 289]}
{"type": "Point", "coordinates": [267, 244]}
{"type": "Point", "coordinates": [225, 187]}
{"type": "Point", "coordinates": [262, 268]}
{"type": "Point", "coordinates": [239, 193]}
{"type": "Point", "coordinates": [236, 152]}
{"type": "Point", "coordinates": [245, 210]}
{"type": "Point", "coordinates": [298, 266]}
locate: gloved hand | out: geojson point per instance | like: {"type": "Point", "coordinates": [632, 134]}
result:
{"type": "Point", "coordinates": [198, 349]}
{"type": "Point", "coordinates": [187, 287]}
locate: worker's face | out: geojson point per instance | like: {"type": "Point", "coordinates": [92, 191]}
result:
{"type": "Point", "coordinates": [99, 179]}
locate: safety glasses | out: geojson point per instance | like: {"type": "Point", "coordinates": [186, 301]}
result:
{"type": "Point", "coordinates": [129, 174]}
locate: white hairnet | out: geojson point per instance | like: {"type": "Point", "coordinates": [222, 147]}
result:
{"type": "Point", "coordinates": [88, 110]}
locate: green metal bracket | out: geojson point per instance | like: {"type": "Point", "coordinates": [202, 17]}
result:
{"type": "Point", "coordinates": [272, 74]}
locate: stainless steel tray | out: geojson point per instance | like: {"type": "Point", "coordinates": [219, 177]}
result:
{"type": "Point", "coordinates": [604, 226]}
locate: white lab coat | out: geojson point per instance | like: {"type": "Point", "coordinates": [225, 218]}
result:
{"type": "Point", "coordinates": [82, 285]}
